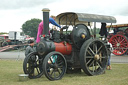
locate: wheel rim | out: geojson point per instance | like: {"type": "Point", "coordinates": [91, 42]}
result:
{"type": "Point", "coordinates": [93, 57]}
{"type": "Point", "coordinates": [119, 44]}
{"type": "Point", "coordinates": [126, 32]}
{"type": "Point", "coordinates": [54, 66]}
{"type": "Point", "coordinates": [33, 65]}
{"type": "Point", "coordinates": [4, 44]}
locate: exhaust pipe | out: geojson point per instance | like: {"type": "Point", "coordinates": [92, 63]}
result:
{"type": "Point", "coordinates": [46, 22]}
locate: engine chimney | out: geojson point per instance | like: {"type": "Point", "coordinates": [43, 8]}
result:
{"type": "Point", "coordinates": [46, 22]}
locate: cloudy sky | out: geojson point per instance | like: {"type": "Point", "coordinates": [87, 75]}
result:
{"type": "Point", "coordinates": [13, 13]}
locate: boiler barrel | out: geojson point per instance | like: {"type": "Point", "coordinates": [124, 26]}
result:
{"type": "Point", "coordinates": [44, 47]}
{"type": "Point", "coordinates": [63, 47]}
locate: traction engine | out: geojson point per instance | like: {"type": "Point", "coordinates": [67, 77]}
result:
{"type": "Point", "coordinates": [119, 39]}
{"type": "Point", "coordinates": [66, 53]}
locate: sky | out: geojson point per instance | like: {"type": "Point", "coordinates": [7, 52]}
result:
{"type": "Point", "coordinates": [13, 13]}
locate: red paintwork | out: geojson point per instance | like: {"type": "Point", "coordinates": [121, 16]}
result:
{"type": "Point", "coordinates": [119, 43]}
{"type": "Point", "coordinates": [4, 36]}
{"type": "Point", "coordinates": [64, 49]}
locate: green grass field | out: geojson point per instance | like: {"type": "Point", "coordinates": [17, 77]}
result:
{"type": "Point", "coordinates": [10, 69]}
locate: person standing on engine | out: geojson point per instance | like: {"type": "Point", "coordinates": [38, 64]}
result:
{"type": "Point", "coordinates": [40, 27]}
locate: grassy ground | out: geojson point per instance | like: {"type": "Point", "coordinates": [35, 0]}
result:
{"type": "Point", "coordinates": [10, 69]}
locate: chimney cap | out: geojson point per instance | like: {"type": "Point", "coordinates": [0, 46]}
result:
{"type": "Point", "coordinates": [45, 10]}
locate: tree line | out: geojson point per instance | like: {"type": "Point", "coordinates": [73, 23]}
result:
{"type": "Point", "coordinates": [30, 27]}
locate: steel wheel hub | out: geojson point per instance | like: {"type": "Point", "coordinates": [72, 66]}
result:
{"type": "Point", "coordinates": [118, 44]}
{"type": "Point", "coordinates": [97, 57]}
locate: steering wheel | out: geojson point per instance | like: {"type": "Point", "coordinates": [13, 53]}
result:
{"type": "Point", "coordinates": [61, 30]}
{"type": "Point", "coordinates": [65, 27]}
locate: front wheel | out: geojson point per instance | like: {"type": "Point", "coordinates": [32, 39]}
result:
{"type": "Point", "coordinates": [32, 65]}
{"type": "Point", "coordinates": [54, 66]}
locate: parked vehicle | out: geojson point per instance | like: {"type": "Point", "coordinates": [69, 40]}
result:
{"type": "Point", "coordinates": [64, 52]}
{"type": "Point", "coordinates": [3, 38]}
{"type": "Point", "coordinates": [14, 38]}
{"type": "Point", "coordinates": [119, 38]}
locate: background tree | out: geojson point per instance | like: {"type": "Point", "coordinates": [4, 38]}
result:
{"type": "Point", "coordinates": [30, 27]}
{"type": "Point", "coordinates": [3, 33]}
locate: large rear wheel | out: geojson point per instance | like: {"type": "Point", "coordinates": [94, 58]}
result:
{"type": "Point", "coordinates": [119, 44]}
{"type": "Point", "coordinates": [93, 57]}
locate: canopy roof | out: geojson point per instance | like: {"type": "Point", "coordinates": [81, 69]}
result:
{"type": "Point", "coordinates": [72, 17]}
{"type": "Point", "coordinates": [117, 25]}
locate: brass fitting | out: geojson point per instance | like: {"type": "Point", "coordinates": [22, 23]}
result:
{"type": "Point", "coordinates": [83, 36]}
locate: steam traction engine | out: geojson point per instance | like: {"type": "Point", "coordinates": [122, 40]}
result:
{"type": "Point", "coordinates": [68, 51]}
{"type": "Point", "coordinates": [119, 39]}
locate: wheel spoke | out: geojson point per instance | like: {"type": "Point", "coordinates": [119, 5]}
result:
{"type": "Point", "coordinates": [123, 45]}
{"type": "Point", "coordinates": [122, 51]}
{"type": "Point", "coordinates": [89, 57]}
{"type": "Point", "coordinates": [93, 67]}
{"type": "Point", "coordinates": [113, 45]}
{"type": "Point", "coordinates": [121, 41]}
{"type": "Point", "coordinates": [37, 70]}
{"type": "Point", "coordinates": [103, 57]}
{"type": "Point", "coordinates": [99, 49]}
{"type": "Point", "coordinates": [96, 48]}
{"type": "Point", "coordinates": [60, 63]}
{"type": "Point", "coordinates": [89, 61]}
{"type": "Point", "coordinates": [52, 72]}
{"type": "Point", "coordinates": [99, 64]}
{"type": "Point", "coordinates": [115, 40]}
{"type": "Point", "coordinates": [58, 71]}
{"type": "Point", "coordinates": [31, 71]}
{"type": "Point", "coordinates": [91, 51]}
{"type": "Point", "coordinates": [51, 60]}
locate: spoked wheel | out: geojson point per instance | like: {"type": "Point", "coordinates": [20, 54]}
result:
{"type": "Point", "coordinates": [4, 44]}
{"type": "Point", "coordinates": [119, 44]}
{"type": "Point", "coordinates": [54, 66]}
{"type": "Point", "coordinates": [126, 32]}
{"type": "Point", "coordinates": [93, 57]}
{"type": "Point", "coordinates": [32, 65]}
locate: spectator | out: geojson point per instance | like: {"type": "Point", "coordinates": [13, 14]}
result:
{"type": "Point", "coordinates": [109, 57]}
